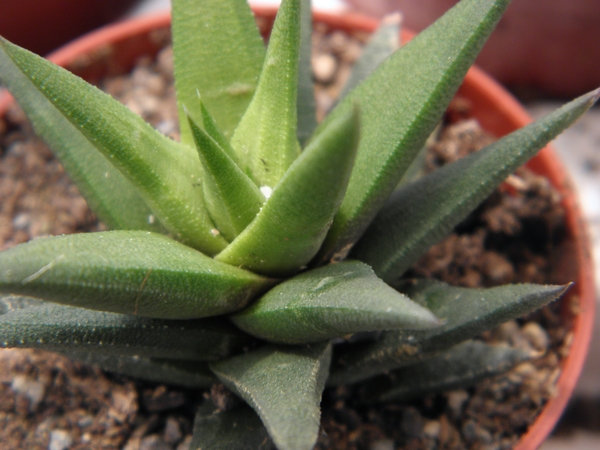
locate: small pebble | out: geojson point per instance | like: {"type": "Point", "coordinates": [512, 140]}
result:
{"type": "Point", "coordinates": [21, 221]}
{"type": "Point", "coordinates": [60, 440]}
{"type": "Point", "coordinates": [536, 335]}
{"type": "Point", "coordinates": [324, 67]}
{"type": "Point", "coordinates": [432, 429]}
{"type": "Point", "coordinates": [382, 444]}
{"type": "Point", "coordinates": [172, 433]}
{"type": "Point", "coordinates": [124, 403]}
{"type": "Point", "coordinates": [32, 389]}
{"type": "Point", "coordinates": [456, 400]}
{"type": "Point", "coordinates": [475, 433]}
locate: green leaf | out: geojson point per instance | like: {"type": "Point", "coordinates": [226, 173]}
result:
{"type": "Point", "coordinates": [284, 386]}
{"type": "Point", "coordinates": [307, 110]}
{"type": "Point", "coordinates": [130, 272]}
{"type": "Point", "coordinates": [421, 213]}
{"type": "Point", "coordinates": [458, 368]}
{"type": "Point", "coordinates": [166, 174]}
{"type": "Point", "coordinates": [114, 199]}
{"type": "Point", "coordinates": [289, 229]}
{"type": "Point", "coordinates": [402, 102]}
{"type": "Point", "coordinates": [189, 374]}
{"type": "Point", "coordinates": [467, 312]}
{"type": "Point", "coordinates": [218, 52]}
{"type": "Point", "coordinates": [64, 328]}
{"type": "Point", "coordinates": [236, 429]}
{"type": "Point", "coordinates": [329, 302]}
{"type": "Point", "coordinates": [384, 41]}
{"type": "Point", "coordinates": [211, 127]}
{"type": "Point", "coordinates": [265, 140]}
{"type": "Point", "coordinates": [232, 199]}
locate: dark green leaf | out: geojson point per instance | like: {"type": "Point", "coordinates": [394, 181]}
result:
{"type": "Point", "coordinates": [307, 119]}
{"type": "Point", "coordinates": [265, 140]}
{"type": "Point", "coordinates": [421, 213]}
{"type": "Point", "coordinates": [458, 368]}
{"type": "Point", "coordinates": [402, 102]}
{"type": "Point", "coordinates": [130, 272]}
{"type": "Point", "coordinates": [114, 199]}
{"type": "Point", "coordinates": [64, 328]}
{"type": "Point", "coordinates": [329, 302]}
{"type": "Point", "coordinates": [384, 41]}
{"type": "Point", "coordinates": [189, 374]}
{"type": "Point", "coordinates": [236, 429]}
{"type": "Point", "coordinates": [232, 199]}
{"type": "Point", "coordinates": [284, 386]}
{"type": "Point", "coordinates": [293, 222]}
{"type": "Point", "coordinates": [467, 312]}
{"type": "Point", "coordinates": [218, 52]}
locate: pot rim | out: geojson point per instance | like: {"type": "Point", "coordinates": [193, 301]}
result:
{"type": "Point", "coordinates": [482, 88]}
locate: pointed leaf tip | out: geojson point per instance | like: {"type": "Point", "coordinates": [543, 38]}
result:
{"type": "Point", "coordinates": [401, 110]}
{"type": "Point", "coordinates": [265, 140]}
{"type": "Point", "coordinates": [467, 312]}
{"type": "Point", "coordinates": [232, 199]}
{"type": "Point", "coordinates": [131, 272]}
{"type": "Point", "coordinates": [332, 301]}
{"type": "Point", "coordinates": [284, 385]}
{"type": "Point", "coordinates": [421, 213]}
{"type": "Point", "coordinates": [288, 231]}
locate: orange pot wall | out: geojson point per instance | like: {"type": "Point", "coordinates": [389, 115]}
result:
{"type": "Point", "coordinates": [497, 111]}
{"type": "Point", "coordinates": [550, 45]}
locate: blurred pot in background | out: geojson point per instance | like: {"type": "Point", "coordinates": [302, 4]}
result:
{"type": "Point", "coordinates": [43, 25]}
{"type": "Point", "coordinates": [549, 46]}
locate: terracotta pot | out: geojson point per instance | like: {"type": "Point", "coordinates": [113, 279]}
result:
{"type": "Point", "coordinates": [548, 45]}
{"type": "Point", "coordinates": [43, 25]}
{"type": "Point", "coordinates": [115, 48]}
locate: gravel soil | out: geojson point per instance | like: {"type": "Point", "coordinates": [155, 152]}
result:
{"type": "Point", "coordinates": [49, 402]}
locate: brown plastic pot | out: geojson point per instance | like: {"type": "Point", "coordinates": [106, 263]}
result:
{"type": "Point", "coordinates": [548, 45]}
{"type": "Point", "coordinates": [43, 25]}
{"type": "Point", "coordinates": [115, 48]}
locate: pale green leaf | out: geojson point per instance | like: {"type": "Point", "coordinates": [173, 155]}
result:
{"type": "Point", "coordinates": [189, 374]}
{"type": "Point", "coordinates": [218, 52]}
{"type": "Point", "coordinates": [236, 429]}
{"type": "Point", "coordinates": [329, 302]}
{"type": "Point", "coordinates": [132, 272]}
{"type": "Point", "coordinates": [265, 140]}
{"type": "Point", "coordinates": [114, 199]}
{"type": "Point", "coordinates": [466, 312]}
{"type": "Point", "coordinates": [65, 328]}
{"type": "Point", "coordinates": [232, 199]}
{"type": "Point", "coordinates": [384, 41]}
{"type": "Point", "coordinates": [402, 102]}
{"type": "Point", "coordinates": [307, 118]}
{"type": "Point", "coordinates": [213, 130]}
{"type": "Point", "coordinates": [458, 368]}
{"type": "Point", "coordinates": [289, 229]}
{"type": "Point", "coordinates": [166, 174]}
{"type": "Point", "coordinates": [421, 213]}
{"type": "Point", "coordinates": [284, 386]}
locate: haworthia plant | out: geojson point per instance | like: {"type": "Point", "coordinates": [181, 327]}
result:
{"type": "Point", "coordinates": [248, 219]}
